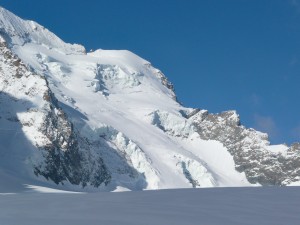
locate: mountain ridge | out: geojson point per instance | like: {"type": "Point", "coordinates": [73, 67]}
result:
{"type": "Point", "coordinates": [108, 120]}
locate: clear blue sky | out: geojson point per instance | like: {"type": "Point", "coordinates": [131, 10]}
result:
{"type": "Point", "coordinates": [220, 55]}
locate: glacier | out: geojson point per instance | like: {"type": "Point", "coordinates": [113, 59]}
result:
{"type": "Point", "coordinates": [108, 120]}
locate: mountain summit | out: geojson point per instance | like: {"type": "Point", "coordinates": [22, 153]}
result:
{"type": "Point", "coordinates": [108, 120]}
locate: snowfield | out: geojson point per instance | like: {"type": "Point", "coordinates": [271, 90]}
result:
{"type": "Point", "coordinates": [214, 206]}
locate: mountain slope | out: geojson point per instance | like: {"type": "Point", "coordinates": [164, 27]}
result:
{"type": "Point", "coordinates": [109, 120]}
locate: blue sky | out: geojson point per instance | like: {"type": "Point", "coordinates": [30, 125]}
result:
{"type": "Point", "coordinates": [220, 55]}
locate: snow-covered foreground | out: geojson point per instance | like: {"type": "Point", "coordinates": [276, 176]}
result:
{"type": "Point", "coordinates": [217, 206]}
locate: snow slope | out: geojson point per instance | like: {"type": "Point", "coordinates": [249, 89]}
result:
{"type": "Point", "coordinates": [124, 111]}
{"type": "Point", "coordinates": [218, 206]}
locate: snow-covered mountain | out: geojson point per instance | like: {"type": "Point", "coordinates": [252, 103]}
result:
{"type": "Point", "coordinates": [109, 120]}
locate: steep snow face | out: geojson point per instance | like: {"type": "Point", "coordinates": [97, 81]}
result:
{"type": "Point", "coordinates": [20, 108]}
{"type": "Point", "coordinates": [20, 32]}
{"type": "Point", "coordinates": [124, 119]}
{"type": "Point", "coordinates": [36, 137]}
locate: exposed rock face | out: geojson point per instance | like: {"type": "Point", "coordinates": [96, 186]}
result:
{"type": "Point", "coordinates": [164, 80]}
{"type": "Point", "coordinates": [249, 149]}
{"type": "Point", "coordinates": [63, 159]}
